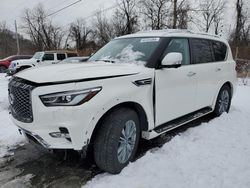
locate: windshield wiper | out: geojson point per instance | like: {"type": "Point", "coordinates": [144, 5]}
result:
{"type": "Point", "coordinates": [106, 60]}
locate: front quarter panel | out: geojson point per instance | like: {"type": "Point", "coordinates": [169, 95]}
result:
{"type": "Point", "coordinates": [116, 91]}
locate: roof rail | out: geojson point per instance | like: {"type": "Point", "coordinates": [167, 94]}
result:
{"type": "Point", "coordinates": [207, 34]}
{"type": "Point", "coordinates": [179, 31]}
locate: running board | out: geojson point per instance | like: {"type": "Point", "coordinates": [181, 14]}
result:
{"type": "Point", "coordinates": [182, 120]}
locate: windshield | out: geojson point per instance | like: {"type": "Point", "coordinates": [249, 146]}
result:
{"type": "Point", "coordinates": [127, 50]}
{"type": "Point", "coordinates": [37, 55]}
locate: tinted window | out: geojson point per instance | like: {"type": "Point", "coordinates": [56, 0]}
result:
{"type": "Point", "coordinates": [220, 51]}
{"type": "Point", "coordinates": [48, 57]}
{"type": "Point", "coordinates": [61, 56]}
{"type": "Point", "coordinates": [202, 52]}
{"type": "Point", "coordinates": [181, 46]}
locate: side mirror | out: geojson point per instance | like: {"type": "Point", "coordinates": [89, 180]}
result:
{"type": "Point", "coordinates": [38, 61]}
{"type": "Point", "coordinates": [172, 60]}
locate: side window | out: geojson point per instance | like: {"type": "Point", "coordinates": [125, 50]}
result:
{"type": "Point", "coordinates": [61, 56]}
{"type": "Point", "coordinates": [179, 45]}
{"type": "Point", "coordinates": [48, 57]}
{"type": "Point", "coordinates": [220, 50]}
{"type": "Point", "coordinates": [202, 52]}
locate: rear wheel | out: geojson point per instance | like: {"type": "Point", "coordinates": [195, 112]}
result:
{"type": "Point", "coordinates": [223, 102]}
{"type": "Point", "coordinates": [117, 140]}
{"type": "Point", "coordinates": [3, 69]}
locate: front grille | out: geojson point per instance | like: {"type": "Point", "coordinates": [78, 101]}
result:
{"type": "Point", "coordinates": [20, 100]}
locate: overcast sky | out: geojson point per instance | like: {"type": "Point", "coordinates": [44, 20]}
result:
{"type": "Point", "coordinates": [11, 10]}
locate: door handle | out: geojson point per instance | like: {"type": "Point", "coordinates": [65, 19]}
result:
{"type": "Point", "coordinates": [190, 74]}
{"type": "Point", "coordinates": [217, 69]}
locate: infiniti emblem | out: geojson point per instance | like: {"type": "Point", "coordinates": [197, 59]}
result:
{"type": "Point", "coordinates": [11, 98]}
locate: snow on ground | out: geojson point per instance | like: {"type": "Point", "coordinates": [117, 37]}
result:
{"type": "Point", "coordinates": [9, 136]}
{"type": "Point", "coordinates": [215, 154]}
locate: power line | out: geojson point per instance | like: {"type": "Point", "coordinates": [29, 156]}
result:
{"type": "Point", "coordinates": [101, 11]}
{"type": "Point", "coordinates": [63, 8]}
{"type": "Point", "coordinates": [97, 11]}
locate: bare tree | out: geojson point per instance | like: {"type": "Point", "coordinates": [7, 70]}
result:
{"type": "Point", "coordinates": [212, 11]}
{"type": "Point", "coordinates": [183, 17]}
{"type": "Point", "coordinates": [80, 33]}
{"type": "Point", "coordinates": [127, 10]}
{"type": "Point", "coordinates": [42, 32]}
{"type": "Point", "coordinates": [155, 12]}
{"type": "Point", "coordinates": [175, 14]}
{"type": "Point", "coordinates": [241, 33]}
{"type": "Point", "coordinates": [103, 31]}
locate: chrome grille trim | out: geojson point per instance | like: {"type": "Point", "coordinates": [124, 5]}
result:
{"type": "Point", "coordinates": [20, 100]}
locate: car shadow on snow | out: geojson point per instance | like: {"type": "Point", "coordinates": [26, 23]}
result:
{"type": "Point", "coordinates": [68, 169]}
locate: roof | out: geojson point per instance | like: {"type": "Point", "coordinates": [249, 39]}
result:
{"type": "Point", "coordinates": [58, 51]}
{"type": "Point", "coordinates": [174, 33]}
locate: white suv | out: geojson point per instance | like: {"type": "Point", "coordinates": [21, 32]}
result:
{"type": "Point", "coordinates": [40, 59]}
{"type": "Point", "coordinates": [137, 86]}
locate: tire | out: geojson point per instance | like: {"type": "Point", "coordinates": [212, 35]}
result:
{"type": "Point", "coordinates": [112, 137]}
{"type": "Point", "coordinates": [223, 101]}
{"type": "Point", "coordinates": [3, 69]}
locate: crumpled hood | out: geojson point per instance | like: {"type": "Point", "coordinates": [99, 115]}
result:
{"type": "Point", "coordinates": [75, 72]}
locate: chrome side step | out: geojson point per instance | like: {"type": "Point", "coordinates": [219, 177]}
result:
{"type": "Point", "coordinates": [182, 120]}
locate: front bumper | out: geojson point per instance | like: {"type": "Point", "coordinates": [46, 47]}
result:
{"type": "Point", "coordinates": [34, 138]}
{"type": "Point", "coordinates": [49, 123]}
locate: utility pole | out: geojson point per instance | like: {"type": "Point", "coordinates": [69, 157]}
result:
{"type": "Point", "coordinates": [17, 40]}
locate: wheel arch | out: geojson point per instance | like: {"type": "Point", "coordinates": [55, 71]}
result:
{"type": "Point", "coordinates": [230, 85]}
{"type": "Point", "coordinates": [3, 65]}
{"type": "Point", "coordinates": [132, 105]}
{"type": "Point", "coordinates": [227, 83]}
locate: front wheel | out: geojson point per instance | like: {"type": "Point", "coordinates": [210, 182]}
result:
{"type": "Point", "coordinates": [223, 101]}
{"type": "Point", "coordinates": [117, 140]}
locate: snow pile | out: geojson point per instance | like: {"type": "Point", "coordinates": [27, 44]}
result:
{"type": "Point", "coordinates": [9, 135]}
{"type": "Point", "coordinates": [128, 55]}
{"type": "Point", "coordinates": [214, 154]}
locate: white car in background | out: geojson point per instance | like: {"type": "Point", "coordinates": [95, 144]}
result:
{"type": "Point", "coordinates": [40, 59]}
{"type": "Point", "coordinates": [138, 86]}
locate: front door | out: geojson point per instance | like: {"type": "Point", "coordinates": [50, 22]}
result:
{"type": "Point", "coordinates": [175, 87]}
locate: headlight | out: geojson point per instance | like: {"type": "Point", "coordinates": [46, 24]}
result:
{"type": "Point", "coordinates": [69, 98]}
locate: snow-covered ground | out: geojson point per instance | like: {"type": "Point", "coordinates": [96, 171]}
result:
{"type": "Point", "coordinates": [214, 154]}
{"type": "Point", "coordinates": [9, 136]}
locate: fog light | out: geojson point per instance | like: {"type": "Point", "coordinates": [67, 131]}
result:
{"type": "Point", "coordinates": [59, 135]}
{"type": "Point", "coordinates": [64, 133]}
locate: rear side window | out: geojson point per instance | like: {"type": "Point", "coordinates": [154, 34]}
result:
{"type": "Point", "coordinates": [48, 57]}
{"type": "Point", "coordinates": [61, 57]}
{"type": "Point", "coordinates": [201, 50]}
{"type": "Point", "coordinates": [220, 50]}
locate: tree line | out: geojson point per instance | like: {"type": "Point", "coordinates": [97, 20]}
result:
{"type": "Point", "coordinates": [129, 17]}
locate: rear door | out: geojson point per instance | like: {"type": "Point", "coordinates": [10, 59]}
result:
{"type": "Point", "coordinates": [209, 58]}
{"type": "Point", "coordinates": [175, 87]}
